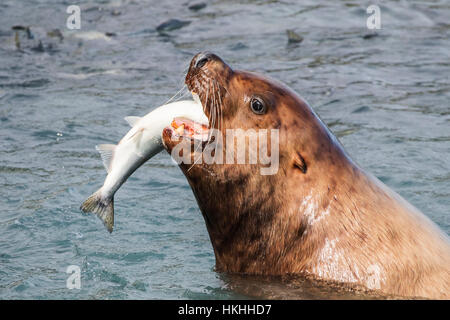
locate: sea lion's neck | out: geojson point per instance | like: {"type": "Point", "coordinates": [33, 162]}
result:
{"type": "Point", "coordinates": [255, 221]}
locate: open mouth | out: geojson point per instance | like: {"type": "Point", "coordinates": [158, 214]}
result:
{"type": "Point", "coordinates": [189, 129]}
{"type": "Point", "coordinates": [186, 128]}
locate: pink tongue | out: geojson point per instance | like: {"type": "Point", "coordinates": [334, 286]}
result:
{"type": "Point", "coordinates": [189, 128]}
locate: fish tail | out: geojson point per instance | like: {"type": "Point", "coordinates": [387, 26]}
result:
{"type": "Point", "coordinates": [103, 208]}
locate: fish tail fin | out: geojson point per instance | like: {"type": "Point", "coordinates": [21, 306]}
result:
{"type": "Point", "coordinates": [103, 208]}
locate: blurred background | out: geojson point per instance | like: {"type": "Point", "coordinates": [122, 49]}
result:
{"type": "Point", "coordinates": [385, 94]}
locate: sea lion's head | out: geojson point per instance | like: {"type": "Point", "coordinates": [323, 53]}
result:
{"type": "Point", "coordinates": [245, 202]}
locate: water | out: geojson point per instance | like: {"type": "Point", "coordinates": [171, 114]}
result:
{"type": "Point", "coordinates": [386, 97]}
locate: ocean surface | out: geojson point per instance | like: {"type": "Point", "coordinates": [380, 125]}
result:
{"type": "Point", "coordinates": [384, 93]}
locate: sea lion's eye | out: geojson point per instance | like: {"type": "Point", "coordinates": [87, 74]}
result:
{"type": "Point", "coordinates": [258, 106]}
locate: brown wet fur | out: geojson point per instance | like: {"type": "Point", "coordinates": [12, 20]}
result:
{"type": "Point", "coordinates": [362, 233]}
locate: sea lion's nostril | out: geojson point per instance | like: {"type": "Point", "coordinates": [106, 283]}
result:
{"type": "Point", "coordinates": [201, 60]}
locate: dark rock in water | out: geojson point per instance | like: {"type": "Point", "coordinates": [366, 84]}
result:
{"type": "Point", "coordinates": [238, 46]}
{"type": "Point", "coordinates": [42, 42]}
{"type": "Point", "coordinates": [24, 28]}
{"type": "Point", "coordinates": [94, 8]}
{"type": "Point", "coordinates": [94, 14]}
{"type": "Point", "coordinates": [293, 37]}
{"type": "Point", "coordinates": [172, 24]}
{"type": "Point", "coordinates": [361, 109]}
{"type": "Point", "coordinates": [36, 83]}
{"type": "Point", "coordinates": [56, 33]}
{"type": "Point", "coordinates": [29, 34]}
{"type": "Point", "coordinates": [39, 47]}
{"type": "Point", "coordinates": [197, 6]}
{"type": "Point", "coordinates": [17, 40]}
{"type": "Point", "coordinates": [370, 35]}
{"type": "Point", "coordinates": [51, 48]}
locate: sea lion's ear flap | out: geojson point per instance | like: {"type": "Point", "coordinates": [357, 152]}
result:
{"type": "Point", "coordinates": [299, 162]}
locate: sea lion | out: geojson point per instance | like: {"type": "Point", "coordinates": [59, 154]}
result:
{"type": "Point", "coordinates": [320, 215]}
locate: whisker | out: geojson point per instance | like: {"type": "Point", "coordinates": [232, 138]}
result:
{"type": "Point", "coordinates": [212, 114]}
{"type": "Point", "coordinates": [220, 106]}
{"type": "Point", "coordinates": [206, 104]}
{"type": "Point", "coordinates": [176, 94]}
{"type": "Point", "coordinates": [213, 110]}
{"type": "Point", "coordinates": [185, 94]}
{"type": "Point", "coordinates": [217, 111]}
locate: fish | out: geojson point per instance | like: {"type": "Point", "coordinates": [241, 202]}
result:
{"type": "Point", "coordinates": [141, 143]}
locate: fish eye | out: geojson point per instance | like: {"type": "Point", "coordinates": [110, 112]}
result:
{"type": "Point", "coordinates": [258, 106]}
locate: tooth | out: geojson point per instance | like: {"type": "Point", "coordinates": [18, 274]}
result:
{"type": "Point", "coordinates": [180, 129]}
